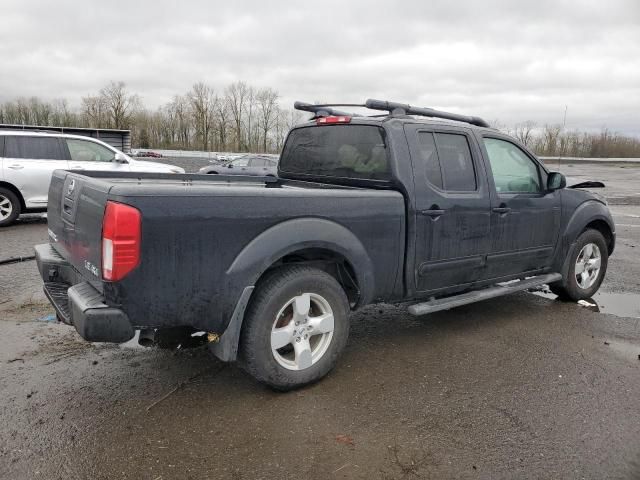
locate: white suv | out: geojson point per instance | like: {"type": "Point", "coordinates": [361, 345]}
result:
{"type": "Point", "coordinates": [27, 160]}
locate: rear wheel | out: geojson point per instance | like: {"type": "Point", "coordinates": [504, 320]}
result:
{"type": "Point", "coordinates": [587, 267]}
{"type": "Point", "coordinates": [9, 207]}
{"type": "Point", "coordinates": [296, 326]}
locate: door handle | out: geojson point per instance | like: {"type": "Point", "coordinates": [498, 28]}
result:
{"type": "Point", "coordinates": [433, 212]}
{"type": "Point", "coordinates": [77, 167]}
{"type": "Point", "coordinates": [16, 167]}
{"type": "Point", "coordinates": [502, 210]}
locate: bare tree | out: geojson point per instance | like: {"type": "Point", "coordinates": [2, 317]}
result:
{"type": "Point", "coordinates": [202, 100]}
{"type": "Point", "coordinates": [267, 99]}
{"type": "Point", "coordinates": [120, 104]}
{"type": "Point", "coordinates": [94, 111]}
{"type": "Point", "coordinates": [236, 97]}
{"type": "Point", "coordinates": [524, 132]}
{"type": "Point", "coordinates": [550, 136]}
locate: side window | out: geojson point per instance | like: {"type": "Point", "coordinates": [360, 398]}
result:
{"type": "Point", "coordinates": [457, 165]}
{"type": "Point", "coordinates": [513, 171]}
{"type": "Point", "coordinates": [86, 151]}
{"type": "Point", "coordinates": [38, 148]}
{"type": "Point", "coordinates": [241, 162]}
{"type": "Point", "coordinates": [258, 162]}
{"type": "Point", "coordinates": [429, 157]}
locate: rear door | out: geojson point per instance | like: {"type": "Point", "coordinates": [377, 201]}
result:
{"type": "Point", "coordinates": [525, 217]}
{"type": "Point", "coordinates": [28, 164]}
{"type": "Point", "coordinates": [89, 155]}
{"type": "Point", "coordinates": [260, 166]}
{"type": "Point", "coordinates": [452, 207]}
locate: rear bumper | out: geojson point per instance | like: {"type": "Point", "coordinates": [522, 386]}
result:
{"type": "Point", "coordinates": [78, 303]}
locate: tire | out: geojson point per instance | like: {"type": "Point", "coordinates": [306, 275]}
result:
{"type": "Point", "coordinates": [589, 247]}
{"type": "Point", "coordinates": [302, 354]}
{"type": "Point", "coordinates": [9, 207]}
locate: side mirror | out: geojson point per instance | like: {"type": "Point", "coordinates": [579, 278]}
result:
{"type": "Point", "coordinates": [120, 158]}
{"type": "Point", "coordinates": [556, 181]}
{"type": "Point", "coordinates": [230, 166]}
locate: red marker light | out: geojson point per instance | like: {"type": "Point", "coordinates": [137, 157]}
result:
{"type": "Point", "coordinates": [333, 119]}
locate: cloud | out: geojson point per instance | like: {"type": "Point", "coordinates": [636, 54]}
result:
{"type": "Point", "coordinates": [506, 60]}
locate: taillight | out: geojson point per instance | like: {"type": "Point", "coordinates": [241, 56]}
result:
{"type": "Point", "coordinates": [333, 119]}
{"type": "Point", "coordinates": [120, 240]}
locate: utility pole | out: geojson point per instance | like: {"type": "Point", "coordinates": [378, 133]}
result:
{"type": "Point", "coordinates": [564, 124]}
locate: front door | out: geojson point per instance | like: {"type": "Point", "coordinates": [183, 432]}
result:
{"type": "Point", "coordinates": [525, 217]}
{"type": "Point", "coordinates": [28, 164]}
{"type": "Point", "coordinates": [89, 155]}
{"type": "Point", "coordinates": [452, 208]}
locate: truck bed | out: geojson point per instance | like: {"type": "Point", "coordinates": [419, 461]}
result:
{"type": "Point", "coordinates": [201, 235]}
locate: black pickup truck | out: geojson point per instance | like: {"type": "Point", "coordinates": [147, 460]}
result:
{"type": "Point", "coordinates": [397, 207]}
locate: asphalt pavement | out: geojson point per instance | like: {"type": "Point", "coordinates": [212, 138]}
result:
{"type": "Point", "coordinates": [523, 386]}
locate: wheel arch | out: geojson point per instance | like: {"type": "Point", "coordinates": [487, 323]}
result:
{"type": "Point", "coordinates": [604, 228]}
{"type": "Point", "coordinates": [302, 240]}
{"type": "Point", "coordinates": [318, 241]}
{"type": "Point", "coordinates": [591, 214]}
{"type": "Point", "coordinates": [14, 189]}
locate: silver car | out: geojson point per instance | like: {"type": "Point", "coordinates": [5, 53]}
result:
{"type": "Point", "coordinates": [251, 164]}
{"type": "Point", "coordinates": [27, 160]}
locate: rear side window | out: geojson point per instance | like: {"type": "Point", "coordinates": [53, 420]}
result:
{"type": "Point", "coordinates": [39, 148]}
{"type": "Point", "coordinates": [429, 157]}
{"type": "Point", "coordinates": [457, 165]}
{"type": "Point", "coordinates": [446, 159]}
{"type": "Point", "coordinates": [258, 162]}
{"type": "Point", "coordinates": [344, 151]}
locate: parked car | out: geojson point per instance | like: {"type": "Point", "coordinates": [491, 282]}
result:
{"type": "Point", "coordinates": [401, 208]}
{"type": "Point", "coordinates": [149, 154]}
{"type": "Point", "coordinates": [27, 160]}
{"type": "Point", "coordinates": [262, 165]}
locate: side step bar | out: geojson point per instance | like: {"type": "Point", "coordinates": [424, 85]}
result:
{"type": "Point", "coordinates": [484, 294]}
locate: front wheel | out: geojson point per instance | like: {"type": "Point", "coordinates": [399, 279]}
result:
{"type": "Point", "coordinates": [296, 325]}
{"type": "Point", "coordinates": [587, 267]}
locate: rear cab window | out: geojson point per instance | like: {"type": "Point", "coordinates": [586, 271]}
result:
{"type": "Point", "coordinates": [338, 151]}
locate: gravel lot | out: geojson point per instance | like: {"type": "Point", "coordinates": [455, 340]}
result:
{"type": "Point", "coordinates": [516, 387]}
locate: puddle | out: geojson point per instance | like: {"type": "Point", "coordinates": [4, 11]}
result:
{"type": "Point", "coordinates": [619, 304]}
{"type": "Point", "coordinates": [625, 349]}
{"type": "Point", "coordinates": [47, 318]}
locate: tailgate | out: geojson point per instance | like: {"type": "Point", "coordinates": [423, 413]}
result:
{"type": "Point", "coordinates": [75, 210]}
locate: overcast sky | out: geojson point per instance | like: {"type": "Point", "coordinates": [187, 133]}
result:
{"type": "Point", "coordinates": [510, 60]}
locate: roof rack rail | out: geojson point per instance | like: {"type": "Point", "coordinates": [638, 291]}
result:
{"type": "Point", "coordinates": [325, 110]}
{"type": "Point", "coordinates": [395, 108]}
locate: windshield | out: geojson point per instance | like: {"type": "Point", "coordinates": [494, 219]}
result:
{"type": "Point", "coordinates": [345, 151]}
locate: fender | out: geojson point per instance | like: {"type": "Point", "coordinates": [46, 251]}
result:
{"type": "Point", "coordinates": [273, 244]}
{"type": "Point", "coordinates": [584, 214]}
{"type": "Point", "coordinates": [298, 234]}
